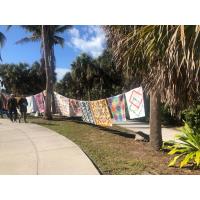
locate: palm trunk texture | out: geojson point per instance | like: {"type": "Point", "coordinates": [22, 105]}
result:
{"type": "Point", "coordinates": [155, 121]}
{"type": "Point", "coordinates": [49, 81]}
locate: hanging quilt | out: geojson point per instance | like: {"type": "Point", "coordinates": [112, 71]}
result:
{"type": "Point", "coordinates": [75, 108]}
{"type": "Point", "coordinates": [117, 107]}
{"type": "Point", "coordinates": [39, 99]}
{"type": "Point", "coordinates": [101, 112]}
{"type": "Point", "coordinates": [62, 104]}
{"type": "Point", "coordinates": [5, 98]}
{"type": "Point", "coordinates": [86, 112]}
{"type": "Point", "coordinates": [135, 103]}
{"type": "Point", "coordinates": [32, 107]}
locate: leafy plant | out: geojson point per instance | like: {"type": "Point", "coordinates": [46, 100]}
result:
{"type": "Point", "coordinates": [187, 149]}
{"type": "Point", "coordinates": [192, 117]}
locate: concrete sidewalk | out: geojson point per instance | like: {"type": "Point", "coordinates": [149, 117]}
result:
{"type": "Point", "coordinates": [31, 149]}
{"type": "Point", "coordinates": [167, 133]}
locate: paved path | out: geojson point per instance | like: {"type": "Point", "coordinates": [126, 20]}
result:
{"type": "Point", "coordinates": [32, 149]}
{"type": "Point", "coordinates": [167, 133]}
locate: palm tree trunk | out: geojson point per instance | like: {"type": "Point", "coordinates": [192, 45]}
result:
{"type": "Point", "coordinates": [49, 81]}
{"type": "Point", "coordinates": [155, 121]}
{"type": "Point", "coordinates": [53, 104]}
{"type": "Point", "coordinates": [53, 61]}
{"type": "Point", "coordinates": [88, 94]}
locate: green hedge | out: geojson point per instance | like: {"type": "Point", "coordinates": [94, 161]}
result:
{"type": "Point", "coordinates": [192, 117]}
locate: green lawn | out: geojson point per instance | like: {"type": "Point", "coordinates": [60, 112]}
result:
{"type": "Point", "coordinates": [113, 150]}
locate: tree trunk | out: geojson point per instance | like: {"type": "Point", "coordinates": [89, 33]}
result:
{"type": "Point", "coordinates": [155, 121]}
{"type": "Point", "coordinates": [88, 94]}
{"type": "Point", "coordinates": [48, 70]}
{"type": "Point", "coordinates": [53, 61]}
{"type": "Point", "coordinates": [53, 104]}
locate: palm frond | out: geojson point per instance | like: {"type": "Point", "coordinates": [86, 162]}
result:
{"type": "Point", "coordinates": [59, 40]}
{"type": "Point", "coordinates": [166, 57]}
{"type": "Point", "coordinates": [32, 28]}
{"type": "Point", "coordinates": [2, 39]}
{"type": "Point", "coordinates": [61, 29]}
{"type": "Point", "coordinates": [31, 38]}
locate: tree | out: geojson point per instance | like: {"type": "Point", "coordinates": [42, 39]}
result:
{"type": "Point", "coordinates": [110, 78]}
{"type": "Point", "coordinates": [49, 37]}
{"type": "Point", "coordinates": [83, 73]}
{"type": "Point", "coordinates": [48, 68]}
{"type": "Point", "coordinates": [2, 41]}
{"type": "Point", "coordinates": [22, 78]}
{"type": "Point", "coordinates": [167, 60]}
{"type": "Point", "coordinates": [91, 78]}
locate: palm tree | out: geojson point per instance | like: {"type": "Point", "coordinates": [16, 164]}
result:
{"type": "Point", "coordinates": [91, 78]}
{"type": "Point", "coordinates": [84, 72]}
{"type": "Point", "coordinates": [48, 68]}
{"type": "Point", "coordinates": [49, 37]}
{"type": "Point", "coordinates": [2, 41]}
{"type": "Point", "coordinates": [167, 59]}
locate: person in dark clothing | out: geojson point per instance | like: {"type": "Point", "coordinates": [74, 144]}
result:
{"type": "Point", "coordinates": [12, 108]}
{"type": "Point", "coordinates": [22, 104]}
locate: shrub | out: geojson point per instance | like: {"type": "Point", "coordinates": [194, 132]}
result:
{"type": "Point", "coordinates": [192, 117]}
{"type": "Point", "coordinates": [188, 148]}
{"type": "Point", "coordinates": [166, 116]}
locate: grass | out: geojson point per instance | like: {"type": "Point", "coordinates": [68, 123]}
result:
{"type": "Point", "coordinates": [113, 150]}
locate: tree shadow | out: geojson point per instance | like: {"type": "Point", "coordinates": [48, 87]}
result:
{"type": "Point", "coordinates": [112, 130]}
{"type": "Point", "coordinates": [62, 118]}
{"type": "Point", "coordinates": [43, 124]}
{"type": "Point", "coordinates": [143, 135]}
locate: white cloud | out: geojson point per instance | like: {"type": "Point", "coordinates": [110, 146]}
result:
{"type": "Point", "coordinates": [91, 41]}
{"type": "Point", "coordinates": [61, 72]}
{"type": "Point", "coordinates": [74, 32]}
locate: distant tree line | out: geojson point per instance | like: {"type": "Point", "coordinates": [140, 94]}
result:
{"type": "Point", "coordinates": [91, 79]}
{"type": "Point", "coordinates": [23, 78]}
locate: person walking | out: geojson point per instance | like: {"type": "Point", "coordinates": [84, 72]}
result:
{"type": "Point", "coordinates": [12, 108]}
{"type": "Point", "coordinates": [22, 104]}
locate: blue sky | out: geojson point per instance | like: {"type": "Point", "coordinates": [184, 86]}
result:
{"type": "Point", "coordinates": [79, 39]}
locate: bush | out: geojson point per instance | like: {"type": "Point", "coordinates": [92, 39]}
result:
{"type": "Point", "coordinates": [192, 117]}
{"type": "Point", "coordinates": [188, 147]}
{"type": "Point", "coordinates": [166, 117]}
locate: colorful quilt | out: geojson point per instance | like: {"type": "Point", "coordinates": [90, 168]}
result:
{"type": "Point", "coordinates": [86, 112]}
{"type": "Point", "coordinates": [101, 112]}
{"type": "Point", "coordinates": [75, 108]}
{"type": "Point", "coordinates": [5, 98]}
{"type": "Point", "coordinates": [39, 99]}
{"type": "Point", "coordinates": [62, 104]}
{"type": "Point", "coordinates": [32, 107]}
{"type": "Point", "coordinates": [117, 107]}
{"type": "Point", "coordinates": [135, 103]}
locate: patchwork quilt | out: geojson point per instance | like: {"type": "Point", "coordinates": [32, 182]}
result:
{"type": "Point", "coordinates": [135, 102]}
{"type": "Point", "coordinates": [117, 107]}
{"type": "Point", "coordinates": [62, 104]}
{"type": "Point", "coordinates": [86, 112]}
{"type": "Point", "coordinates": [39, 99]}
{"type": "Point", "coordinates": [32, 107]}
{"type": "Point", "coordinates": [101, 112]}
{"type": "Point", "coordinates": [75, 108]}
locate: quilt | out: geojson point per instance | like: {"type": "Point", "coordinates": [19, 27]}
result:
{"type": "Point", "coordinates": [101, 112]}
{"type": "Point", "coordinates": [75, 108]}
{"type": "Point", "coordinates": [86, 112]}
{"type": "Point", "coordinates": [135, 103]}
{"type": "Point", "coordinates": [32, 107]}
{"type": "Point", "coordinates": [117, 107]}
{"type": "Point", "coordinates": [39, 99]}
{"type": "Point", "coordinates": [62, 104]}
